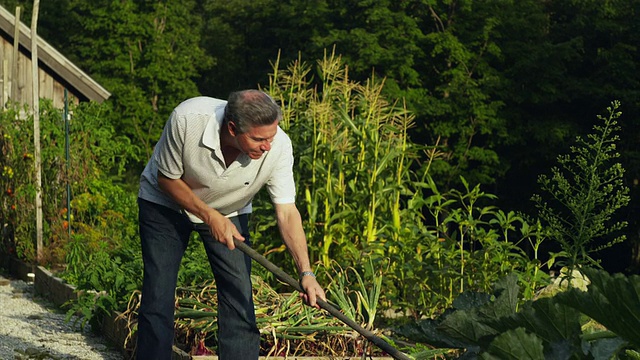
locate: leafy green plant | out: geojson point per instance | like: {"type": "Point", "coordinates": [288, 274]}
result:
{"type": "Point", "coordinates": [91, 242]}
{"type": "Point", "coordinates": [195, 268]}
{"type": "Point", "coordinates": [17, 180]}
{"type": "Point", "coordinates": [106, 285]}
{"type": "Point", "coordinates": [611, 300]}
{"type": "Point", "coordinates": [584, 192]}
{"type": "Point", "coordinates": [464, 243]}
{"type": "Point", "coordinates": [98, 158]}
{"type": "Point", "coordinates": [494, 325]}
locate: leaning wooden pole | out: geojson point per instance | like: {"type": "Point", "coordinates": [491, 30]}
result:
{"type": "Point", "coordinates": [36, 128]}
{"type": "Point", "coordinates": [283, 276]}
{"type": "Point", "coordinates": [15, 57]}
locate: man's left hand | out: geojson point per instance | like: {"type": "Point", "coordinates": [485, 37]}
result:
{"type": "Point", "coordinates": [313, 291]}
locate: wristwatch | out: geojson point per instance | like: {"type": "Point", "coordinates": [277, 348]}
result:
{"type": "Point", "coordinates": [307, 273]}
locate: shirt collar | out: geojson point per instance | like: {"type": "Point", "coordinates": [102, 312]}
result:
{"type": "Point", "coordinates": [211, 136]}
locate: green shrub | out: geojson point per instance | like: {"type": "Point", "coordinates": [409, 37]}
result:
{"type": "Point", "coordinates": [96, 157]}
{"type": "Point", "coordinates": [92, 239]}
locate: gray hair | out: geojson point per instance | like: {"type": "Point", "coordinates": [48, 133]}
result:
{"type": "Point", "coordinates": [249, 108]}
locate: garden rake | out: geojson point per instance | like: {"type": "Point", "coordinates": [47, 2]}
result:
{"type": "Point", "coordinates": [283, 276]}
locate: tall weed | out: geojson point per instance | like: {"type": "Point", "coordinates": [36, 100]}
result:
{"type": "Point", "coordinates": [583, 194]}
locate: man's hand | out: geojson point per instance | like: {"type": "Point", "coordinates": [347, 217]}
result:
{"type": "Point", "coordinates": [223, 230]}
{"type": "Point", "coordinates": [313, 291]}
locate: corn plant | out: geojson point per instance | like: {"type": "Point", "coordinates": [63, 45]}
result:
{"type": "Point", "coordinates": [353, 157]}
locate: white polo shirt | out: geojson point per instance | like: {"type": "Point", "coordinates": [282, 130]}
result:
{"type": "Point", "coordinates": [189, 149]}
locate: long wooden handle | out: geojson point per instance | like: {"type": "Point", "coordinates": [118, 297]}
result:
{"type": "Point", "coordinates": [283, 276]}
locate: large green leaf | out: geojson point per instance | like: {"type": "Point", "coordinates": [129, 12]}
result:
{"type": "Point", "coordinates": [613, 301]}
{"type": "Point", "coordinates": [517, 345]}
{"type": "Point", "coordinates": [427, 331]}
{"type": "Point", "coordinates": [470, 300]}
{"type": "Point", "coordinates": [547, 328]}
{"type": "Point", "coordinates": [467, 326]}
{"type": "Point", "coordinates": [506, 292]}
{"type": "Point", "coordinates": [472, 323]}
{"type": "Point", "coordinates": [606, 348]}
{"type": "Point", "coordinates": [552, 322]}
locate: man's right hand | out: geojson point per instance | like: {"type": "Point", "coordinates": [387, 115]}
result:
{"type": "Point", "coordinates": [223, 230]}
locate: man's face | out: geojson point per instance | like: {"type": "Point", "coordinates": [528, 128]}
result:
{"type": "Point", "coordinates": [256, 141]}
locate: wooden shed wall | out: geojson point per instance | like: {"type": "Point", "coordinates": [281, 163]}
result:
{"type": "Point", "coordinates": [49, 86]}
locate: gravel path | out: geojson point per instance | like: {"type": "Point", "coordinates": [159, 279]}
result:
{"type": "Point", "coordinates": [31, 328]}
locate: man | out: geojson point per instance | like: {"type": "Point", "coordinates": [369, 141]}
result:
{"type": "Point", "coordinates": [212, 158]}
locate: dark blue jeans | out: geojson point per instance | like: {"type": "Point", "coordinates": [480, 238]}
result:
{"type": "Point", "coordinates": [165, 235]}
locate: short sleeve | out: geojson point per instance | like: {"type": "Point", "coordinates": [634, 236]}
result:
{"type": "Point", "coordinates": [281, 185]}
{"type": "Point", "coordinates": [168, 152]}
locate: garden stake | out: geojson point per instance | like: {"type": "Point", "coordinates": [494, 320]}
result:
{"type": "Point", "coordinates": [283, 276]}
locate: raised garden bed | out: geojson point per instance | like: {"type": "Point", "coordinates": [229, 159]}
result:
{"type": "Point", "coordinates": [115, 329]}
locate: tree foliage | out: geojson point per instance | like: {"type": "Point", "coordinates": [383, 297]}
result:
{"type": "Point", "coordinates": [499, 86]}
{"type": "Point", "coordinates": [245, 36]}
{"type": "Point", "coordinates": [146, 53]}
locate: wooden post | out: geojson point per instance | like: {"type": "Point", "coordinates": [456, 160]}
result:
{"type": "Point", "coordinates": [5, 83]}
{"type": "Point", "coordinates": [36, 128]}
{"type": "Point", "coordinates": [16, 57]}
